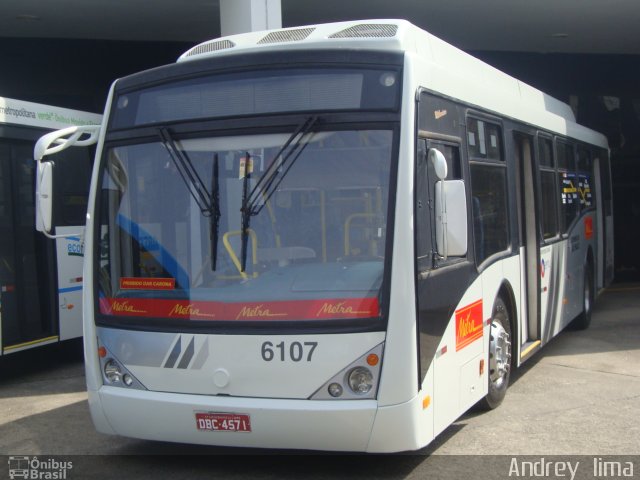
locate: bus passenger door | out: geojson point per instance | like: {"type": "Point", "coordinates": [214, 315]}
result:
{"type": "Point", "coordinates": [530, 253]}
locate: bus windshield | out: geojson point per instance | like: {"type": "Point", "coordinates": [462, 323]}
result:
{"type": "Point", "coordinates": [176, 211]}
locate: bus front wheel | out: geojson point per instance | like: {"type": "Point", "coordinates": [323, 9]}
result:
{"type": "Point", "coordinates": [499, 356]}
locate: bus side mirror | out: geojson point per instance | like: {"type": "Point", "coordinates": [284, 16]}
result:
{"type": "Point", "coordinates": [59, 140]}
{"type": "Point", "coordinates": [44, 197]}
{"type": "Point", "coordinates": [436, 157]}
{"type": "Point", "coordinates": [451, 218]}
{"type": "Point", "coordinates": [49, 144]}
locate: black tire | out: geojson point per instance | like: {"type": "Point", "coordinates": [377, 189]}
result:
{"type": "Point", "coordinates": [499, 369]}
{"type": "Point", "coordinates": [583, 320]}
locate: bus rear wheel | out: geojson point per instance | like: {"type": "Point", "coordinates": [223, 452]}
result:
{"type": "Point", "coordinates": [583, 321]}
{"type": "Point", "coordinates": [499, 356]}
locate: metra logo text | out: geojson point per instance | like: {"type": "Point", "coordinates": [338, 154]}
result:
{"type": "Point", "coordinates": [125, 307]}
{"type": "Point", "coordinates": [257, 311]}
{"type": "Point", "coordinates": [468, 326]}
{"type": "Point", "coordinates": [338, 309]}
{"type": "Point", "coordinates": [188, 310]}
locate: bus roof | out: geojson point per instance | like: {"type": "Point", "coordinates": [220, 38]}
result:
{"type": "Point", "coordinates": [455, 73]}
{"type": "Point", "coordinates": [29, 114]}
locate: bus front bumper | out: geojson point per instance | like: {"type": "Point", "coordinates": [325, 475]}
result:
{"type": "Point", "coordinates": [275, 423]}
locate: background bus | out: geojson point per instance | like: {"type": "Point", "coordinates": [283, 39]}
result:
{"type": "Point", "coordinates": [333, 237]}
{"type": "Point", "coordinates": [40, 279]}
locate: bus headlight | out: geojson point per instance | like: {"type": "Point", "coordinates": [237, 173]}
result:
{"type": "Point", "coordinates": [360, 380]}
{"type": "Point", "coordinates": [112, 371]}
{"type": "Point", "coordinates": [335, 389]}
{"type": "Point", "coordinates": [357, 381]}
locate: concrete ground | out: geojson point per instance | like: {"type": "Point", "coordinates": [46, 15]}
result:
{"type": "Point", "coordinates": [579, 396]}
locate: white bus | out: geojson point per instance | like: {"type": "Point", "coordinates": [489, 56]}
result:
{"type": "Point", "coordinates": [40, 279]}
{"type": "Point", "coordinates": [335, 237]}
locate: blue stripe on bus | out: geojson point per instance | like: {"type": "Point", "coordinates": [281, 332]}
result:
{"type": "Point", "coordinates": [163, 257]}
{"type": "Point", "coordinates": [75, 239]}
{"type": "Point", "coordinates": [69, 289]}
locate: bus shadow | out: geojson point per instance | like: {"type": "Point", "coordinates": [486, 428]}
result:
{"type": "Point", "coordinates": [614, 327]}
{"type": "Point", "coordinates": [67, 431]}
{"type": "Point", "coordinates": [49, 369]}
{"type": "Point", "coordinates": [272, 463]}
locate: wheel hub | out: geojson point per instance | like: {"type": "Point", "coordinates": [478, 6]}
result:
{"type": "Point", "coordinates": [499, 354]}
{"type": "Point", "coordinates": [587, 296]}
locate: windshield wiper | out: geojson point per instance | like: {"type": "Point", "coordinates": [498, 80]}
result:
{"type": "Point", "coordinates": [208, 203]}
{"type": "Point", "coordinates": [282, 163]}
{"type": "Point", "coordinates": [245, 217]}
{"type": "Point", "coordinates": [270, 181]}
{"type": "Point", "coordinates": [214, 220]}
{"type": "Point", "coordinates": [189, 174]}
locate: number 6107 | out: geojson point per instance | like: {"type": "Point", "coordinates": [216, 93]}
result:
{"type": "Point", "coordinates": [294, 351]}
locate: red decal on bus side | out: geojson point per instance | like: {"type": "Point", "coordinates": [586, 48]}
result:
{"type": "Point", "coordinates": [132, 283]}
{"type": "Point", "coordinates": [469, 324]}
{"type": "Point", "coordinates": [588, 228]}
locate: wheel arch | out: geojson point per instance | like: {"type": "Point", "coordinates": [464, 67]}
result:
{"type": "Point", "coordinates": [590, 263]}
{"type": "Point", "coordinates": [589, 258]}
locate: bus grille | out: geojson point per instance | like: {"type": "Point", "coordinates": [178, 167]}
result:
{"type": "Point", "coordinates": [367, 30]}
{"type": "Point", "coordinates": [211, 47]}
{"type": "Point", "coordinates": [287, 35]}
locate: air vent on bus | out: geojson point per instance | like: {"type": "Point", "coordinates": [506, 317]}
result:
{"type": "Point", "coordinates": [211, 47]}
{"type": "Point", "coordinates": [376, 30]}
{"type": "Point", "coordinates": [287, 35]}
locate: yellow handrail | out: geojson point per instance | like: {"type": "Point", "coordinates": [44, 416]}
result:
{"type": "Point", "coordinates": [347, 229]}
{"type": "Point", "coordinates": [232, 254]}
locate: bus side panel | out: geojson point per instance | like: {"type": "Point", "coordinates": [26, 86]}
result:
{"type": "Point", "coordinates": [403, 427]}
{"type": "Point", "coordinates": [69, 256]}
{"type": "Point", "coordinates": [547, 287]}
{"type": "Point", "coordinates": [554, 280]}
{"type": "Point", "coordinates": [454, 390]}
{"type": "Point", "coordinates": [609, 256]}
{"type": "Point", "coordinates": [599, 227]}
{"type": "Point", "coordinates": [460, 367]}
{"type": "Point", "coordinates": [576, 248]}
{"type": "Point", "coordinates": [606, 211]}
{"type": "Point", "coordinates": [508, 277]}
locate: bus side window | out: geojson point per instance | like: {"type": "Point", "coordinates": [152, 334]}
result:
{"type": "Point", "coordinates": [585, 175]}
{"type": "Point", "coordinates": [488, 188]}
{"type": "Point", "coordinates": [568, 179]}
{"type": "Point", "coordinates": [452, 155]}
{"type": "Point", "coordinates": [548, 182]}
{"type": "Point", "coordinates": [72, 179]}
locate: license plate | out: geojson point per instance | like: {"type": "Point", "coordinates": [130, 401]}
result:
{"type": "Point", "coordinates": [223, 422]}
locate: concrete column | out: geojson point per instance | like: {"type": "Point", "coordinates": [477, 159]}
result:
{"type": "Point", "coordinates": [241, 16]}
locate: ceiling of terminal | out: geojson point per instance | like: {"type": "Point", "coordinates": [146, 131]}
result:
{"type": "Point", "coordinates": [557, 26]}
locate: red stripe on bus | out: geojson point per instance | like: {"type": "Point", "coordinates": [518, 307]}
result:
{"type": "Point", "coordinates": [322, 309]}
